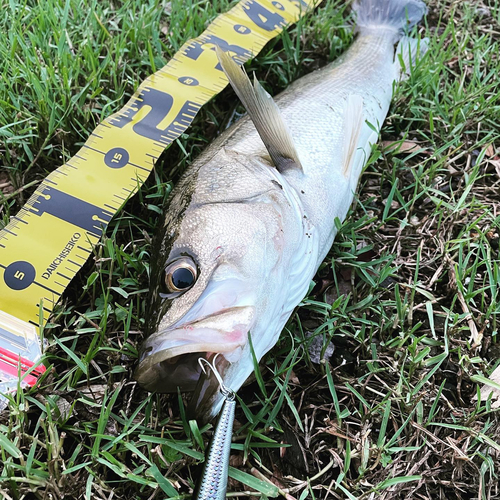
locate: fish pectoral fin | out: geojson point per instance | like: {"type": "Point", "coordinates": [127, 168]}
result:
{"type": "Point", "coordinates": [353, 123]}
{"type": "Point", "coordinates": [264, 114]}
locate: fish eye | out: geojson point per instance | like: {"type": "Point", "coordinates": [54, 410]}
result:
{"type": "Point", "coordinates": [180, 275]}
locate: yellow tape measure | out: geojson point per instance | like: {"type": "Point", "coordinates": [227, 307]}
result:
{"type": "Point", "coordinates": [49, 240]}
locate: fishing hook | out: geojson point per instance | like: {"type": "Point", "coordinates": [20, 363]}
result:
{"type": "Point", "coordinates": [226, 392]}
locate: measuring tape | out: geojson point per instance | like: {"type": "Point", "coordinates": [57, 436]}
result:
{"type": "Point", "coordinates": [49, 240]}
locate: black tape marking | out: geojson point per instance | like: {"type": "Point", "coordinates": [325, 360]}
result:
{"type": "Point", "coordinates": [262, 17]}
{"type": "Point", "coordinates": [18, 219]}
{"type": "Point", "coordinates": [44, 308]}
{"type": "Point", "coordinates": [72, 210]}
{"type": "Point", "coordinates": [241, 29]}
{"type": "Point", "coordinates": [189, 81]}
{"type": "Point", "coordinates": [19, 275]}
{"type": "Point", "coordinates": [160, 103]}
{"type": "Point", "coordinates": [47, 288]}
{"type": "Point", "coordinates": [148, 170]}
{"type": "Point", "coordinates": [116, 158]}
{"type": "Point", "coordinates": [197, 48]}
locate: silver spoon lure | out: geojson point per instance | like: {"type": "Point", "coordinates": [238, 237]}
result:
{"type": "Point", "coordinates": [212, 484]}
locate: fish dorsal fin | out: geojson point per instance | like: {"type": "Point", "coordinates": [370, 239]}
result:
{"type": "Point", "coordinates": [353, 123]}
{"type": "Point", "coordinates": [264, 114]}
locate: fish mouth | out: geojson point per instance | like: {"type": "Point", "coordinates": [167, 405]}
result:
{"type": "Point", "coordinates": [170, 357]}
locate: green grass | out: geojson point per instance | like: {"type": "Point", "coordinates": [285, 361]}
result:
{"type": "Point", "coordinates": [414, 267]}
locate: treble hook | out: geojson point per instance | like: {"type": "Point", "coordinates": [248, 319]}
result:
{"type": "Point", "coordinates": [226, 392]}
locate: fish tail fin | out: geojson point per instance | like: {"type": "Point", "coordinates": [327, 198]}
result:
{"type": "Point", "coordinates": [394, 16]}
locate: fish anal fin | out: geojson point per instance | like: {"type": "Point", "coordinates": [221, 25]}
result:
{"type": "Point", "coordinates": [353, 123]}
{"type": "Point", "coordinates": [264, 114]}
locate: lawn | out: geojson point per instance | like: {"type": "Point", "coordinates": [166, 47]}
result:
{"type": "Point", "coordinates": [409, 294]}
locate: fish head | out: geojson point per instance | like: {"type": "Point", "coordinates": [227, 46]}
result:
{"type": "Point", "coordinates": [214, 275]}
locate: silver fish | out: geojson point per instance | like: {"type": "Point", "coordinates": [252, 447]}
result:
{"type": "Point", "coordinates": [253, 217]}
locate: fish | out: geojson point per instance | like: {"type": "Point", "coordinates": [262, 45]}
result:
{"type": "Point", "coordinates": [253, 217]}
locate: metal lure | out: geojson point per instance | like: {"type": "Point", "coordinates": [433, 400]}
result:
{"type": "Point", "coordinates": [212, 484]}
